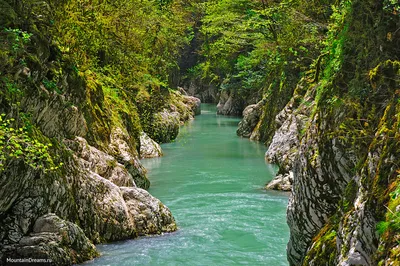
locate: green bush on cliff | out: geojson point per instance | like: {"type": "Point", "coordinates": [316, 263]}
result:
{"type": "Point", "coordinates": [115, 50]}
{"type": "Point", "coordinates": [392, 222]}
{"type": "Point", "coordinates": [16, 143]}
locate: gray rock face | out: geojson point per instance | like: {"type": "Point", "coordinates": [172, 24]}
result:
{"type": "Point", "coordinates": [285, 144]}
{"type": "Point", "coordinates": [128, 157]}
{"type": "Point", "coordinates": [22, 201]}
{"type": "Point", "coordinates": [340, 186]}
{"type": "Point", "coordinates": [283, 151]}
{"type": "Point", "coordinates": [148, 147]}
{"type": "Point", "coordinates": [55, 116]}
{"type": "Point", "coordinates": [193, 103]}
{"type": "Point", "coordinates": [357, 236]}
{"type": "Point", "coordinates": [55, 240]}
{"type": "Point", "coordinates": [321, 173]}
{"type": "Point", "coordinates": [206, 93]}
{"type": "Point", "coordinates": [251, 116]}
{"type": "Point", "coordinates": [229, 104]}
{"type": "Point", "coordinates": [281, 182]}
{"type": "Point", "coordinates": [100, 163]}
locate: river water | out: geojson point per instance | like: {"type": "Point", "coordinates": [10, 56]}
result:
{"type": "Point", "coordinates": [212, 182]}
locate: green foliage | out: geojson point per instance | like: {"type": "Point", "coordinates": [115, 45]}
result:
{"type": "Point", "coordinates": [17, 38]}
{"type": "Point", "coordinates": [392, 6]}
{"type": "Point", "coordinates": [382, 227]}
{"type": "Point", "coordinates": [392, 222]}
{"type": "Point", "coordinates": [14, 43]}
{"type": "Point", "coordinates": [51, 85]}
{"type": "Point", "coordinates": [258, 50]}
{"type": "Point", "coordinates": [231, 30]}
{"type": "Point", "coordinates": [16, 143]}
{"type": "Point", "coordinates": [135, 38]}
{"type": "Point", "coordinates": [336, 38]}
{"type": "Point", "coordinates": [11, 91]}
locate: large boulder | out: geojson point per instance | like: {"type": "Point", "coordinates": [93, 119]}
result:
{"type": "Point", "coordinates": [53, 241]}
{"type": "Point", "coordinates": [126, 155]}
{"type": "Point", "coordinates": [165, 126]}
{"type": "Point", "coordinates": [281, 182]}
{"type": "Point", "coordinates": [251, 116]}
{"type": "Point", "coordinates": [193, 103]}
{"type": "Point", "coordinates": [148, 147]}
{"type": "Point", "coordinates": [148, 213]}
{"type": "Point", "coordinates": [166, 122]}
{"type": "Point", "coordinates": [103, 210]}
{"type": "Point", "coordinates": [108, 214]}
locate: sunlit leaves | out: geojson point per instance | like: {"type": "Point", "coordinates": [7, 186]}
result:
{"type": "Point", "coordinates": [15, 143]}
{"type": "Point", "coordinates": [134, 37]}
{"type": "Point", "coordinates": [248, 44]}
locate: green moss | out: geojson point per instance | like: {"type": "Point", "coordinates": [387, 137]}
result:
{"type": "Point", "coordinates": [323, 250]}
{"type": "Point", "coordinates": [389, 229]}
{"type": "Point", "coordinates": [349, 196]}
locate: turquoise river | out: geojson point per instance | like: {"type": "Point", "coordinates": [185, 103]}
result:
{"type": "Point", "coordinates": [212, 181]}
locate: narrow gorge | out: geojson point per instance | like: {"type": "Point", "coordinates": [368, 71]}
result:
{"type": "Point", "coordinates": [211, 181]}
{"type": "Point", "coordinates": [90, 89]}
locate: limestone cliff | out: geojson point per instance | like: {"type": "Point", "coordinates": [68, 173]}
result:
{"type": "Point", "coordinates": [338, 139]}
{"type": "Point", "coordinates": [347, 162]}
{"type": "Point", "coordinates": [70, 142]}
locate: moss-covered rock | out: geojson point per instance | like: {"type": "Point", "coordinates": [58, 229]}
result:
{"type": "Point", "coordinates": [323, 250]}
{"type": "Point", "coordinates": [177, 110]}
{"type": "Point", "coordinates": [348, 156]}
{"type": "Point", "coordinates": [87, 126]}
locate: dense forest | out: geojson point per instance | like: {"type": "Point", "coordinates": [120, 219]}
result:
{"type": "Point", "coordinates": [88, 87]}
